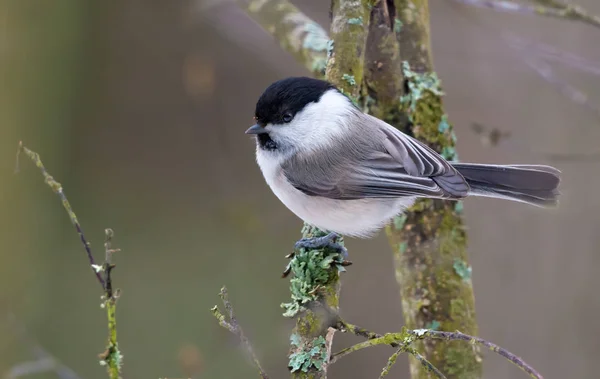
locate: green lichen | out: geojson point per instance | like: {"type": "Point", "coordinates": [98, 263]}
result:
{"type": "Point", "coordinates": [433, 325]}
{"type": "Point", "coordinates": [397, 25]}
{"type": "Point", "coordinates": [312, 271]}
{"type": "Point", "coordinates": [418, 85]}
{"type": "Point", "coordinates": [355, 21]}
{"type": "Point", "coordinates": [459, 207]}
{"type": "Point", "coordinates": [449, 153]}
{"type": "Point", "coordinates": [399, 221]}
{"type": "Point", "coordinates": [443, 125]}
{"type": "Point", "coordinates": [307, 355]}
{"type": "Point", "coordinates": [402, 247]}
{"type": "Point", "coordinates": [349, 79]}
{"type": "Point", "coordinates": [462, 269]}
{"type": "Point", "coordinates": [315, 38]}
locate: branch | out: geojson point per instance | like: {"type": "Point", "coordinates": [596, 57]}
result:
{"type": "Point", "coordinates": [296, 33]}
{"type": "Point", "coordinates": [44, 361]}
{"type": "Point", "coordinates": [111, 357]}
{"type": "Point", "coordinates": [550, 8]}
{"type": "Point", "coordinates": [57, 188]}
{"type": "Point", "coordinates": [550, 53]}
{"type": "Point", "coordinates": [406, 338]}
{"type": "Point", "coordinates": [230, 323]}
{"type": "Point", "coordinates": [535, 56]}
{"type": "Point", "coordinates": [458, 336]}
{"type": "Point", "coordinates": [572, 93]}
{"type": "Point", "coordinates": [429, 240]}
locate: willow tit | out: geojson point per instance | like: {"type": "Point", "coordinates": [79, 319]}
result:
{"type": "Point", "coordinates": [347, 172]}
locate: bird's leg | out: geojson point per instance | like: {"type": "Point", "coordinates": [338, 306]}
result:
{"type": "Point", "coordinates": [328, 241]}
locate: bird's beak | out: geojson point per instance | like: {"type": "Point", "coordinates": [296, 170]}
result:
{"type": "Point", "coordinates": [256, 129]}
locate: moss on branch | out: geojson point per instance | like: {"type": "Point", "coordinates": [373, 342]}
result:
{"type": "Point", "coordinates": [349, 28]}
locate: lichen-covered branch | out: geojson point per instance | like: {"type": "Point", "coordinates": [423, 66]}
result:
{"type": "Point", "coordinates": [550, 8]}
{"type": "Point", "coordinates": [296, 33]}
{"type": "Point", "coordinates": [407, 338]}
{"type": "Point", "coordinates": [349, 28]}
{"type": "Point", "coordinates": [316, 285]}
{"type": "Point", "coordinates": [344, 326]}
{"type": "Point", "coordinates": [315, 291]}
{"type": "Point", "coordinates": [111, 357]}
{"type": "Point", "coordinates": [230, 323]}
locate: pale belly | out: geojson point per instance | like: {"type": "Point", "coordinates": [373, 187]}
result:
{"type": "Point", "coordinates": [358, 218]}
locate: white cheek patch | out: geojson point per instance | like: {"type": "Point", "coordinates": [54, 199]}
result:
{"type": "Point", "coordinates": [317, 125]}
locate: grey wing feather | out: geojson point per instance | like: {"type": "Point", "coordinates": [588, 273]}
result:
{"type": "Point", "coordinates": [395, 165]}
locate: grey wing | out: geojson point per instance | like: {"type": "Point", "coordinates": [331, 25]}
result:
{"type": "Point", "coordinates": [398, 166]}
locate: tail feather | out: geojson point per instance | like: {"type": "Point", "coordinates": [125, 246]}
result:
{"type": "Point", "coordinates": [532, 184]}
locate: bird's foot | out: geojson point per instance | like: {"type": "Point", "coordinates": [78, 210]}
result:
{"type": "Point", "coordinates": [328, 241]}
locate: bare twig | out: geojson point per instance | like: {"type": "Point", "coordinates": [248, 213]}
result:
{"type": "Point", "coordinates": [230, 323]}
{"type": "Point", "coordinates": [57, 188]}
{"type": "Point", "coordinates": [551, 8]}
{"type": "Point", "coordinates": [44, 361]}
{"type": "Point", "coordinates": [404, 339]}
{"type": "Point", "coordinates": [111, 357]}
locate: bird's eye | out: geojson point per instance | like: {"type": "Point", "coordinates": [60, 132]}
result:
{"type": "Point", "coordinates": [287, 117]}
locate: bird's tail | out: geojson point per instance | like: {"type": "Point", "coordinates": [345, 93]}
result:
{"type": "Point", "coordinates": [531, 184]}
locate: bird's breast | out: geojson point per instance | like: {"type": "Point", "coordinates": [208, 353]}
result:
{"type": "Point", "coordinates": [359, 218]}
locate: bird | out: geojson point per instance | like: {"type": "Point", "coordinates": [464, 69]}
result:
{"type": "Point", "coordinates": [349, 173]}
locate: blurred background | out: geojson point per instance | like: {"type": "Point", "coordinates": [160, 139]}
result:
{"type": "Point", "coordinates": [139, 109]}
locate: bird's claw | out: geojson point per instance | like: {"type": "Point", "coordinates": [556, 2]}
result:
{"type": "Point", "coordinates": [328, 241]}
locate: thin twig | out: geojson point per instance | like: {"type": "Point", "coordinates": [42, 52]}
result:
{"type": "Point", "coordinates": [232, 325]}
{"type": "Point", "coordinates": [406, 338]}
{"type": "Point", "coordinates": [345, 326]}
{"type": "Point", "coordinates": [57, 189]}
{"type": "Point", "coordinates": [328, 345]}
{"type": "Point", "coordinates": [44, 361]}
{"type": "Point", "coordinates": [573, 11]}
{"type": "Point", "coordinates": [458, 336]}
{"type": "Point", "coordinates": [112, 356]}
{"type": "Point", "coordinates": [428, 365]}
{"type": "Point", "coordinates": [550, 8]}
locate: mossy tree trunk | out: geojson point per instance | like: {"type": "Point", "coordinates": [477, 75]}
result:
{"type": "Point", "coordinates": [429, 242]}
